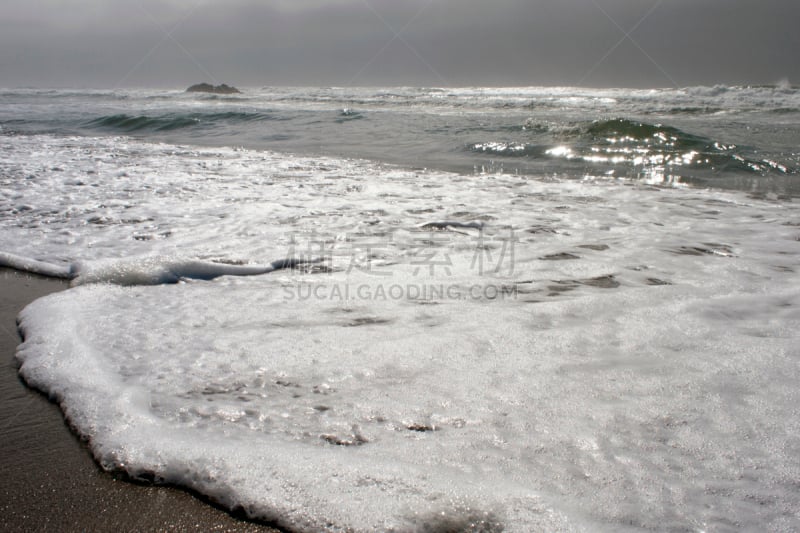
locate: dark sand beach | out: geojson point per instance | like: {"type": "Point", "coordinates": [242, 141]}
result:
{"type": "Point", "coordinates": [50, 482]}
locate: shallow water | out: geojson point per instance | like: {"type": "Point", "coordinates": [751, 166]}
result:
{"type": "Point", "coordinates": [505, 347]}
{"type": "Point", "coordinates": [731, 137]}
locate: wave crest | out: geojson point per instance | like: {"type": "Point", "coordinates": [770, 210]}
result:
{"type": "Point", "coordinates": [172, 121]}
{"type": "Point", "coordinates": [626, 142]}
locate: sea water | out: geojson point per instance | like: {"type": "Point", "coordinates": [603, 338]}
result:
{"type": "Point", "coordinates": [421, 309]}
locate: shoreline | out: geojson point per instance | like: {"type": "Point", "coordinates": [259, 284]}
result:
{"type": "Point", "coordinates": [50, 480]}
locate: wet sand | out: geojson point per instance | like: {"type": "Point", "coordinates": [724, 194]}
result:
{"type": "Point", "coordinates": [49, 480]}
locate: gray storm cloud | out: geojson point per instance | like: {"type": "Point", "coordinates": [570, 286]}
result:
{"type": "Point", "coordinates": [413, 42]}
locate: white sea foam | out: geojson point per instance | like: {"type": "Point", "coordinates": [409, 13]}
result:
{"type": "Point", "coordinates": [156, 270]}
{"type": "Point", "coordinates": [69, 200]}
{"type": "Point", "coordinates": [649, 406]}
{"type": "Point", "coordinates": [536, 354]}
{"type": "Point", "coordinates": [26, 264]}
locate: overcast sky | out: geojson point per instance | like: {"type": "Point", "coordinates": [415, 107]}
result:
{"type": "Point", "coordinates": [173, 43]}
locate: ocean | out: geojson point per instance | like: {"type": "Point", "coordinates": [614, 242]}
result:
{"type": "Point", "coordinates": [422, 309]}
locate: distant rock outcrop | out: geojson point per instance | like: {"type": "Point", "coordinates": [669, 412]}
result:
{"type": "Point", "coordinates": [214, 89]}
